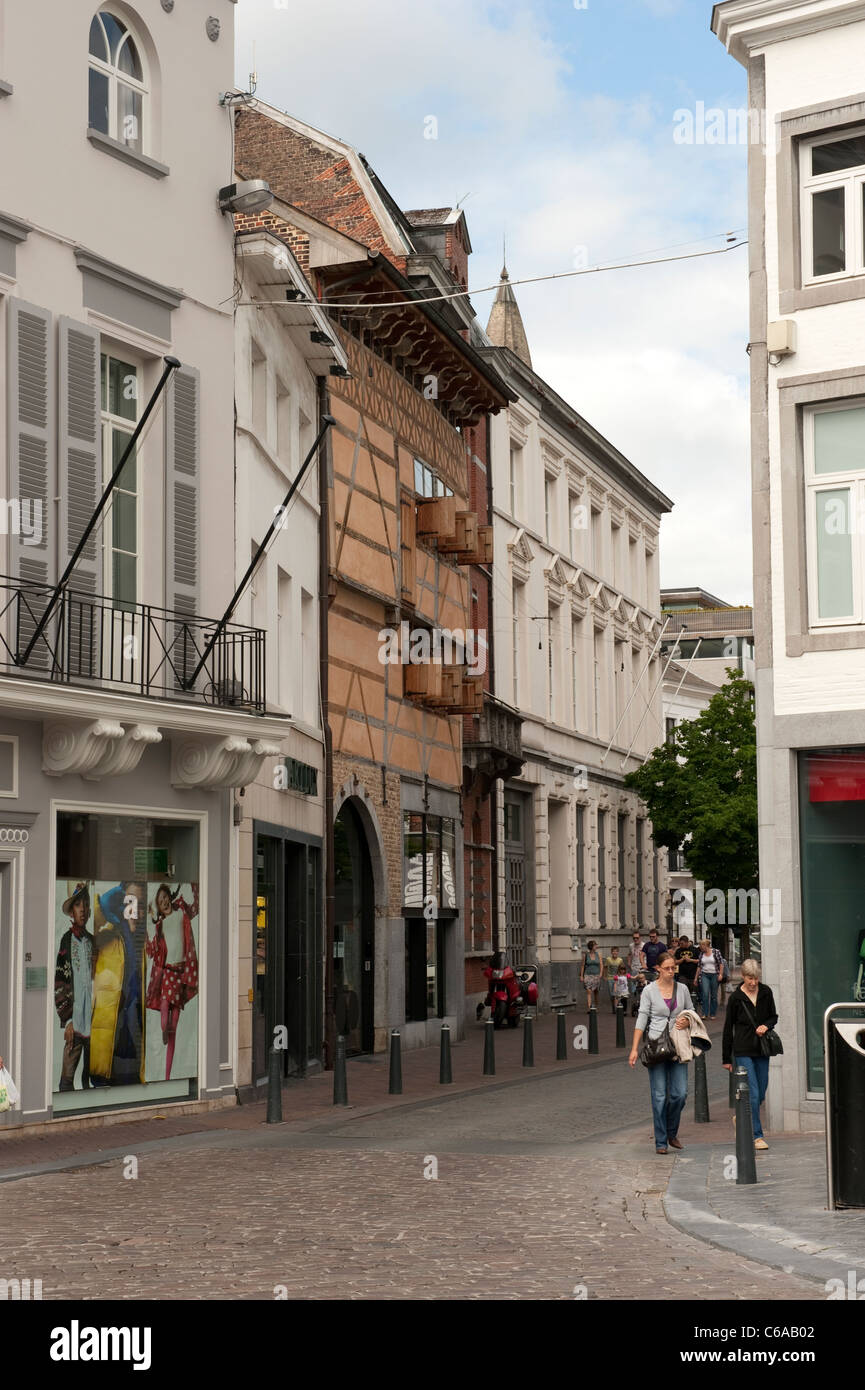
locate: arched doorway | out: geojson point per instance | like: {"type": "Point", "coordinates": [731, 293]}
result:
{"type": "Point", "coordinates": [354, 932]}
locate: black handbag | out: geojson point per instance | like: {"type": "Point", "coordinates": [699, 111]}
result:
{"type": "Point", "coordinates": [770, 1044]}
{"type": "Point", "coordinates": [659, 1049]}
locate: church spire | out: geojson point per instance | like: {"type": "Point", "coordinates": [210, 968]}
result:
{"type": "Point", "coordinates": [505, 327]}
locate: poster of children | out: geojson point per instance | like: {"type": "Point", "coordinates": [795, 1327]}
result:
{"type": "Point", "coordinates": [98, 995]}
{"type": "Point", "coordinates": [171, 990]}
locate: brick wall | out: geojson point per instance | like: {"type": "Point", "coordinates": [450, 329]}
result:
{"type": "Point", "coordinates": [296, 240]}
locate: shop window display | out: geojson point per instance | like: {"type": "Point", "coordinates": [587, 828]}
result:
{"type": "Point", "coordinates": [127, 961]}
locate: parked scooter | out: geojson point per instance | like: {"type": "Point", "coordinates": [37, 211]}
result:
{"type": "Point", "coordinates": [510, 990]}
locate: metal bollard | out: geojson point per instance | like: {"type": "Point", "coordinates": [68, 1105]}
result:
{"type": "Point", "coordinates": [701, 1088]}
{"type": "Point", "coordinates": [274, 1088]}
{"type": "Point", "coordinates": [489, 1049]}
{"type": "Point", "coordinates": [593, 1032]}
{"type": "Point", "coordinates": [561, 1038]}
{"type": "Point", "coordinates": [445, 1073]}
{"type": "Point", "coordinates": [528, 1042]}
{"type": "Point", "coordinates": [746, 1163]}
{"type": "Point", "coordinates": [395, 1083]}
{"type": "Point", "coordinates": [340, 1079]}
{"type": "Point", "coordinates": [620, 1024]}
{"type": "Point", "coordinates": [732, 1088]}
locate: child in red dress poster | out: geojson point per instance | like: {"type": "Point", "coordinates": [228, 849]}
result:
{"type": "Point", "coordinates": [174, 973]}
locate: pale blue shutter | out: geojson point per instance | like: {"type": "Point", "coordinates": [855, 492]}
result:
{"type": "Point", "coordinates": [32, 479]}
{"type": "Point", "coordinates": [80, 487]}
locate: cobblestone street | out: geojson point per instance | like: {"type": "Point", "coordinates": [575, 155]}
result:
{"type": "Point", "coordinates": [545, 1189]}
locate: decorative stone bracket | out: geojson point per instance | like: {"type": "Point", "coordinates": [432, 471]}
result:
{"type": "Point", "coordinates": [210, 763]}
{"type": "Point", "coordinates": [100, 748]}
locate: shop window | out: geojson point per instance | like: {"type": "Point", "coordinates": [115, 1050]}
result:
{"type": "Point", "coordinates": [832, 856]}
{"type": "Point", "coordinates": [126, 947]}
{"type": "Point", "coordinates": [430, 898]}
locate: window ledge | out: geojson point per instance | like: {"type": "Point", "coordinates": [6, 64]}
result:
{"type": "Point", "coordinates": [6, 89]}
{"type": "Point", "coordinates": [814, 296]}
{"type": "Point", "coordinates": [120, 151]}
{"type": "Point", "coordinates": [823, 640]}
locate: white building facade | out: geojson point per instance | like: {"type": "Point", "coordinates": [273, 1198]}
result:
{"type": "Point", "coordinates": [126, 713]}
{"type": "Point", "coordinates": [576, 651]}
{"type": "Point", "coordinates": [807, 275]}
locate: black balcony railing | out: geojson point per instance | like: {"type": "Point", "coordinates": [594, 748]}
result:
{"type": "Point", "coordinates": [133, 648]}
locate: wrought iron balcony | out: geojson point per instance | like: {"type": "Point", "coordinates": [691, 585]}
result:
{"type": "Point", "coordinates": [134, 649]}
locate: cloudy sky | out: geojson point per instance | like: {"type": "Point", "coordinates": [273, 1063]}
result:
{"type": "Point", "coordinates": [555, 125]}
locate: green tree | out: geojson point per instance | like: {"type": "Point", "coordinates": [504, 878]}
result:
{"type": "Point", "coordinates": [701, 789]}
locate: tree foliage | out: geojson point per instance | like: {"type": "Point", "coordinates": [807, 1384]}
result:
{"type": "Point", "coordinates": [701, 789]}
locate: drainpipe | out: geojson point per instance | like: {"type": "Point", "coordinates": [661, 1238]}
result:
{"type": "Point", "coordinates": [324, 475]}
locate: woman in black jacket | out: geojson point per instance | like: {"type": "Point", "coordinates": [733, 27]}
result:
{"type": "Point", "coordinates": [750, 1013]}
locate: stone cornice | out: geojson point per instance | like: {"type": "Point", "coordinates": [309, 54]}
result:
{"type": "Point", "coordinates": [92, 264]}
{"type": "Point", "coordinates": [745, 25]}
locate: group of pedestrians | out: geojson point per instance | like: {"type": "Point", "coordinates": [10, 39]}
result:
{"type": "Point", "coordinates": [670, 1030]}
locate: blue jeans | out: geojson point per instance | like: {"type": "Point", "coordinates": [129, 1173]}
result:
{"type": "Point", "coordinates": [668, 1082]}
{"type": "Point", "coordinates": [758, 1079]}
{"type": "Point", "coordinates": [709, 994]}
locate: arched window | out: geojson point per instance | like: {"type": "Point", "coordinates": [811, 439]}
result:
{"type": "Point", "coordinates": [118, 88]}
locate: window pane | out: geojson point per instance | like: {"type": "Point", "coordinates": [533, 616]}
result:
{"type": "Point", "coordinates": [123, 578]}
{"type": "Point", "coordinates": [828, 223]}
{"type": "Point", "coordinates": [840, 154]}
{"type": "Point", "coordinates": [418, 476]}
{"type": "Point", "coordinates": [128, 61]}
{"type": "Point", "coordinates": [433, 859]}
{"type": "Point", "coordinates": [123, 509]}
{"type": "Point", "coordinates": [839, 440]}
{"type": "Point", "coordinates": [98, 46]}
{"type": "Point", "coordinates": [128, 479]}
{"type": "Point", "coordinates": [103, 381]}
{"type": "Point", "coordinates": [129, 117]}
{"type": "Point", "coordinates": [413, 858]}
{"type": "Point", "coordinates": [427, 482]}
{"type": "Point", "coordinates": [115, 31]}
{"type": "Point", "coordinates": [97, 114]}
{"type": "Point", "coordinates": [834, 554]}
{"type": "Point", "coordinates": [122, 389]}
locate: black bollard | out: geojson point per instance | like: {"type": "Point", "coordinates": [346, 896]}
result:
{"type": "Point", "coordinates": [561, 1038]}
{"type": "Point", "coordinates": [489, 1049]}
{"type": "Point", "coordinates": [445, 1073]}
{"type": "Point", "coordinates": [395, 1083]}
{"type": "Point", "coordinates": [746, 1163]}
{"type": "Point", "coordinates": [620, 1024]}
{"type": "Point", "coordinates": [732, 1088]}
{"type": "Point", "coordinates": [593, 1031]}
{"type": "Point", "coordinates": [274, 1088]}
{"type": "Point", "coordinates": [701, 1088]}
{"type": "Point", "coordinates": [528, 1042]}
{"type": "Point", "coordinates": [340, 1080]}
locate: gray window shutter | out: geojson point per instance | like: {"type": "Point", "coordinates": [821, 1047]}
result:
{"type": "Point", "coordinates": [79, 488]}
{"type": "Point", "coordinates": [32, 480]}
{"type": "Point", "coordinates": [183, 511]}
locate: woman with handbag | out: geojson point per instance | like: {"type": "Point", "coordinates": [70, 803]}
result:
{"type": "Point", "coordinates": [750, 1039]}
{"type": "Point", "coordinates": [661, 1003]}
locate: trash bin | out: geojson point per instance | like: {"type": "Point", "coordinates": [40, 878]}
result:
{"type": "Point", "coordinates": [844, 1055]}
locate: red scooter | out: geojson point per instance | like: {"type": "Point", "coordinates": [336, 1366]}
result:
{"type": "Point", "coordinates": [510, 991]}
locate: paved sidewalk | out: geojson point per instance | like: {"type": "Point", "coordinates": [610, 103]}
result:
{"type": "Point", "coordinates": [782, 1220]}
{"type": "Point", "coordinates": [307, 1104]}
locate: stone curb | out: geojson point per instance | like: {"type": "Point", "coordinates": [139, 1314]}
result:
{"type": "Point", "coordinates": [686, 1206]}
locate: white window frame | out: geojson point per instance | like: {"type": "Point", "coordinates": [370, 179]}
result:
{"type": "Point", "coordinates": [831, 482]}
{"type": "Point", "coordinates": [116, 77]}
{"type": "Point", "coordinates": [108, 423]}
{"type": "Point", "coordinates": [853, 182]}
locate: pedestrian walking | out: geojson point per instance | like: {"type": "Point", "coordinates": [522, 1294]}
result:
{"type": "Point", "coordinates": [661, 1005]}
{"type": "Point", "coordinates": [652, 950]}
{"type": "Point", "coordinates": [612, 965]}
{"type": "Point", "coordinates": [710, 972]}
{"type": "Point", "coordinates": [751, 1017]}
{"type": "Point", "coordinates": [636, 961]}
{"type": "Point", "coordinates": [590, 974]}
